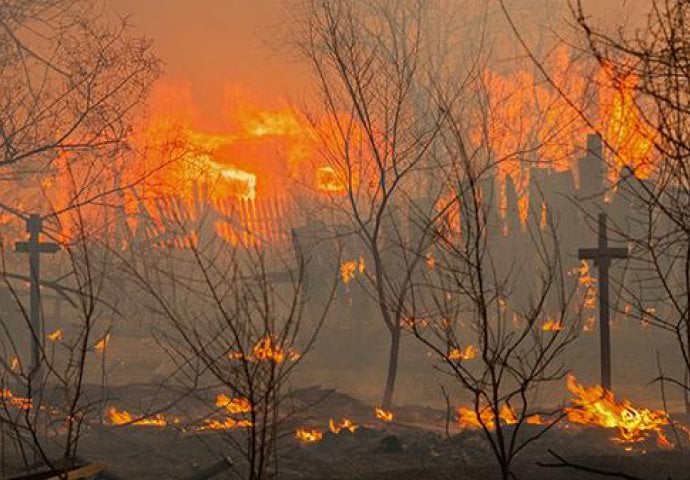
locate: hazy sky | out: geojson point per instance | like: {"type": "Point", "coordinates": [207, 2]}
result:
{"type": "Point", "coordinates": [213, 44]}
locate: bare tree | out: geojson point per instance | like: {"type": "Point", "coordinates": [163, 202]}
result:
{"type": "Point", "coordinates": [500, 321]}
{"type": "Point", "coordinates": [233, 327]}
{"type": "Point", "coordinates": [374, 63]}
{"type": "Point", "coordinates": [651, 67]}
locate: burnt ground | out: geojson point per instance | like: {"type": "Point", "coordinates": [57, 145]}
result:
{"type": "Point", "coordinates": [415, 446]}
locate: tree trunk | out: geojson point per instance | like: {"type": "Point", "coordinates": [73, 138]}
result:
{"type": "Point", "coordinates": [392, 368]}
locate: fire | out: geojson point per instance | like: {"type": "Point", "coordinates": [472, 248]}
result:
{"type": "Point", "coordinates": [552, 325]}
{"type": "Point", "coordinates": [102, 344]}
{"type": "Point", "coordinates": [344, 424]}
{"type": "Point", "coordinates": [347, 271]}
{"type": "Point", "coordinates": [468, 418]}
{"type": "Point", "coordinates": [227, 424]}
{"type": "Point", "coordinates": [327, 180]}
{"type": "Point", "coordinates": [596, 406]}
{"type": "Point", "coordinates": [123, 417]}
{"type": "Point", "coordinates": [15, 365]}
{"type": "Point", "coordinates": [624, 129]}
{"type": "Point", "coordinates": [469, 353]}
{"type": "Point", "coordinates": [383, 414]}
{"type": "Point", "coordinates": [268, 349]}
{"type": "Point", "coordinates": [244, 183]}
{"type": "Point", "coordinates": [430, 261]}
{"type": "Point", "coordinates": [56, 336]}
{"type": "Point", "coordinates": [233, 405]}
{"type": "Point", "coordinates": [308, 435]}
{"type": "Point", "coordinates": [8, 398]}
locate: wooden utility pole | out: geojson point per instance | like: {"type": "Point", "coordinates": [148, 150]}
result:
{"type": "Point", "coordinates": [602, 257]}
{"type": "Point", "coordinates": [34, 247]}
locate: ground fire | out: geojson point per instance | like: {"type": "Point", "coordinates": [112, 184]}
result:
{"type": "Point", "coordinates": [365, 239]}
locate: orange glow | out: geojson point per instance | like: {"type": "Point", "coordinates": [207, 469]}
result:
{"type": "Point", "coordinates": [123, 417]}
{"type": "Point", "coordinates": [623, 127]}
{"type": "Point", "coordinates": [343, 424]}
{"type": "Point", "coordinates": [18, 402]}
{"type": "Point", "coordinates": [15, 365]}
{"type": "Point", "coordinates": [383, 414]}
{"type": "Point", "coordinates": [469, 353]}
{"type": "Point", "coordinates": [56, 336]}
{"type": "Point", "coordinates": [233, 405]}
{"type": "Point", "coordinates": [467, 418]}
{"type": "Point", "coordinates": [595, 406]}
{"type": "Point", "coordinates": [102, 344]}
{"type": "Point", "coordinates": [552, 326]}
{"type": "Point", "coordinates": [308, 435]}
{"type": "Point", "coordinates": [227, 424]}
{"type": "Point", "coordinates": [268, 349]}
{"type": "Point", "coordinates": [327, 180]}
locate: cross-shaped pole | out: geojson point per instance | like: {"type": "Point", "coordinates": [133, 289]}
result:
{"type": "Point", "coordinates": [602, 256]}
{"type": "Point", "coordinates": [34, 247]}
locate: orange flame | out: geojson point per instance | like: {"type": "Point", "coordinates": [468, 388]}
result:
{"type": "Point", "coordinates": [343, 424]}
{"type": "Point", "coordinates": [383, 414]}
{"type": "Point", "coordinates": [233, 405]}
{"type": "Point", "coordinates": [596, 406]}
{"type": "Point", "coordinates": [18, 402]}
{"type": "Point", "coordinates": [102, 344]}
{"type": "Point", "coordinates": [552, 326]}
{"type": "Point", "coordinates": [56, 336]}
{"type": "Point", "coordinates": [227, 424]}
{"type": "Point", "coordinates": [469, 353]}
{"type": "Point", "coordinates": [308, 435]}
{"type": "Point", "coordinates": [123, 417]}
{"type": "Point", "coordinates": [468, 418]}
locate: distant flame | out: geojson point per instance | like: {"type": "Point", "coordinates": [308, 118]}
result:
{"type": "Point", "coordinates": [469, 353]}
{"type": "Point", "coordinates": [102, 344]}
{"type": "Point", "coordinates": [233, 405]}
{"type": "Point", "coordinates": [8, 398]}
{"type": "Point", "coordinates": [123, 417]}
{"type": "Point", "coordinates": [343, 424]}
{"type": "Point", "coordinates": [56, 336]}
{"type": "Point", "coordinates": [383, 414]}
{"type": "Point", "coordinates": [552, 325]}
{"type": "Point", "coordinates": [308, 435]}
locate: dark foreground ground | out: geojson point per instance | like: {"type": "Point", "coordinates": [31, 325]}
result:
{"type": "Point", "coordinates": [415, 446]}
